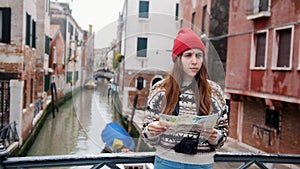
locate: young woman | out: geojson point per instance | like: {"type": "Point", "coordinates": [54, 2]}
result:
{"type": "Point", "coordinates": [186, 91]}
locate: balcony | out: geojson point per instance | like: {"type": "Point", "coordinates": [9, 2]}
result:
{"type": "Point", "coordinates": [258, 9]}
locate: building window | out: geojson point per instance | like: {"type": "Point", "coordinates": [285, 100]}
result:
{"type": "Point", "coordinates": [283, 48]}
{"type": "Point", "coordinates": [28, 29]}
{"type": "Point", "coordinates": [5, 25]}
{"type": "Point", "coordinates": [31, 90]}
{"type": "Point", "coordinates": [46, 82]}
{"type": "Point", "coordinates": [69, 77]}
{"type": "Point", "coordinates": [30, 39]}
{"type": "Point", "coordinates": [33, 34]}
{"type": "Point", "coordinates": [47, 45]}
{"type": "Point", "coordinates": [272, 118]}
{"type": "Point", "coordinates": [144, 9]}
{"type": "Point", "coordinates": [70, 29]}
{"type": "Point", "coordinates": [259, 50]}
{"type": "Point", "coordinates": [140, 83]}
{"type": "Point", "coordinates": [155, 80]}
{"type": "Point", "coordinates": [25, 94]}
{"type": "Point", "coordinates": [1, 24]}
{"type": "Point", "coordinates": [193, 20]}
{"type": "Point", "coordinates": [203, 26]}
{"type": "Point", "coordinates": [258, 8]}
{"type": "Point", "coordinates": [76, 76]}
{"type": "Point", "coordinates": [142, 47]}
{"type": "Point", "coordinates": [177, 11]}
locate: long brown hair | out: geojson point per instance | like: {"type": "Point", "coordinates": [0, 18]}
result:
{"type": "Point", "coordinates": [173, 82]}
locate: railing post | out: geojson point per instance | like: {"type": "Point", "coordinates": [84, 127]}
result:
{"type": "Point", "coordinates": [3, 155]}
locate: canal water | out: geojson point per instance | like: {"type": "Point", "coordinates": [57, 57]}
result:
{"type": "Point", "coordinates": [77, 127]}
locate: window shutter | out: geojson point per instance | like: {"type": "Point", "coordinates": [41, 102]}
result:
{"type": "Point", "coordinates": [33, 34]}
{"type": "Point", "coordinates": [47, 45]}
{"type": "Point", "coordinates": [6, 25]}
{"type": "Point", "coordinates": [28, 21]}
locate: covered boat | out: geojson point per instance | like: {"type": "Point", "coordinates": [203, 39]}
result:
{"type": "Point", "coordinates": [116, 138]}
{"type": "Point", "coordinates": [91, 84]}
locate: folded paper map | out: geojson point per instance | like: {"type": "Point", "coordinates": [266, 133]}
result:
{"type": "Point", "coordinates": [184, 123]}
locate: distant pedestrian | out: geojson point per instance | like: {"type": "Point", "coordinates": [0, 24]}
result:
{"type": "Point", "coordinates": [186, 91]}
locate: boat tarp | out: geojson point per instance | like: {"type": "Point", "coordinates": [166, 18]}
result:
{"type": "Point", "coordinates": [114, 133]}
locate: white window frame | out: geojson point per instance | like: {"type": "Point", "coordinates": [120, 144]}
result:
{"type": "Point", "coordinates": [275, 49]}
{"type": "Point", "coordinates": [142, 18]}
{"type": "Point", "coordinates": [144, 82]}
{"type": "Point", "coordinates": [253, 50]}
{"type": "Point", "coordinates": [147, 54]}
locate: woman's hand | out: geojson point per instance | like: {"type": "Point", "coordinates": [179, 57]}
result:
{"type": "Point", "coordinates": [210, 134]}
{"type": "Point", "coordinates": [155, 128]}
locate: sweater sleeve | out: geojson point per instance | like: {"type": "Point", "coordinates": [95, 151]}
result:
{"type": "Point", "coordinates": [219, 106]}
{"type": "Point", "coordinates": [154, 108]}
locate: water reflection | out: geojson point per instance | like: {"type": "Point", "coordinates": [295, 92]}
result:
{"type": "Point", "coordinates": [77, 127]}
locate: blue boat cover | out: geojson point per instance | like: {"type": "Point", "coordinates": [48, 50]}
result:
{"type": "Point", "coordinates": [114, 131]}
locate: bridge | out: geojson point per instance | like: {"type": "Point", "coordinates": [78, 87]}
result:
{"type": "Point", "coordinates": [9, 141]}
{"type": "Point", "coordinates": [112, 160]}
{"type": "Point", "coordinates": [103, 73]}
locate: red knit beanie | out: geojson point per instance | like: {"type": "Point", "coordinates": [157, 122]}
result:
{"type": "Point", "coordinates": [186, 39]}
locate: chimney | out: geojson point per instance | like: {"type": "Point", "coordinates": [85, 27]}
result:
{"type": "Point", "coordinates": [90, 28]}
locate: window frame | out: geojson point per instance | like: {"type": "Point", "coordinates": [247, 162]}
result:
{"type": "Point", "coordinates": [176, 11]}
{"type": "Point", "coordinates": [273, 118]}
{"type": "Point", "coordinates": [33, 34]}
{"type": "Point", "coordinates": [138, 48]}
{"type": "Point", "coordinates": [255, 12]}
{"type": "Point", "coordinates": [140, 81]}
{"type": "Point", "coordinates": [28, 37]}
{"type": "Point", "coordinates": [254, 47]}
{"type": "Point", "coordinates": [143, 14]}
{"type": "Point", "coordinates": [275, 48]}
{"type": "Point", "coordinates": [5, 25]}
{"type": "Point", "coordinates": [193, 20]}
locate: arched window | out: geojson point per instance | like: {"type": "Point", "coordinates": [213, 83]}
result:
{"type": "Point", "coordinates": [155, 80]}
{"type": "Point", "coordinates": [140, 83]}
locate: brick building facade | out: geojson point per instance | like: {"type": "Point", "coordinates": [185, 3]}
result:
{"type": "Point", "coordinates": [263, 74]}
{"type": "Point", "coordinates": [146, 45]}
{"type": "Point", "coordinates": [19, 62]}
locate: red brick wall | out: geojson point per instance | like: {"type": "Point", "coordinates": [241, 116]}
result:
{"type": "Point", "coordinates": [240, 77]}
{"type": "Point", "coordinates": [130, 81]}
{"type": "Point", "coordinates": [290, 135]}
{"type": "Point", "coordinates": [233, 115]}
{"type": "Point", "coordinates": [28, 73]}
{"type": "Point", "coordinates": [287, 141]}
{"type": "Point", "coordinates": [59, 43]}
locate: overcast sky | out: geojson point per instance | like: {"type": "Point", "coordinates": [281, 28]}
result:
{"type": "Point", "coordinates": [101, 14]}
{"type": "Point", "coordinates": [98, 13]}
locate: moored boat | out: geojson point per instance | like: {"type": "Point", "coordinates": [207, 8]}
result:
{"type": "Point", "coordinates": [91, 84]}
{"type": "Point", "coordinates": [116, 138]}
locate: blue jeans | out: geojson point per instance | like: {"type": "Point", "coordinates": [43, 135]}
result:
{"type": "Point", "coordinates": [160, 163]}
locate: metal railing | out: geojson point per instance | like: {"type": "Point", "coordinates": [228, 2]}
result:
{"type": "Point", "coordinates": [112, 160]}
{"type": "Point", "coordinates": [8, 135]}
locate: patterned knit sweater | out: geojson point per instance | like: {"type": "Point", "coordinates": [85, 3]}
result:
{"type": "Point", "coordinates": [164, 143]}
